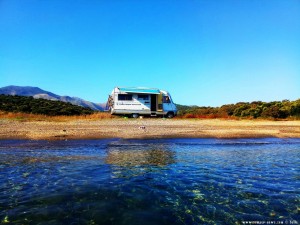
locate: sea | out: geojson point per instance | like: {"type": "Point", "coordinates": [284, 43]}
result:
{"type": "Point", "coordinates": [150, 181]}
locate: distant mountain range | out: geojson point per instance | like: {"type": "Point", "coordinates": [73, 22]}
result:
{"type": "Point", "coordinates": [36, 92]}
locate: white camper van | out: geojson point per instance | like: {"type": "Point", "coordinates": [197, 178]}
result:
{"type": "Point", "coordinates": [136, 101]}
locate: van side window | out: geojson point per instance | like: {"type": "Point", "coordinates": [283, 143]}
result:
{"type": "Point", "coordinates": [143, 97]}
{"type": "Point", "coordinates": [166, 99]}
{"type": "Point", "coordinates": [124, 97]}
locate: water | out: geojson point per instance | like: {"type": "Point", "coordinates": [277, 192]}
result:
{"type": "Point", "coordinates": [167, 181]}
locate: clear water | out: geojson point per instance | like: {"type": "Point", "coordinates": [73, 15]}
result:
{"type": "Point", "coordinates": [167, 181]}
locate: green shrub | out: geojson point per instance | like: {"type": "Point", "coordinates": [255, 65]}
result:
{"type": "Point", "coordinates": [257, 109]}
{"type": "Point", "coordinates": [25, 104]}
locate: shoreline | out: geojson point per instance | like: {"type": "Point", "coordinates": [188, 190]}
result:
{"type": "Point", "coordinates": [149, 128]}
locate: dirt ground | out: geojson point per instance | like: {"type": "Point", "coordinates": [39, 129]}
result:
{"type": "Point", "coordinates": [147, 128]}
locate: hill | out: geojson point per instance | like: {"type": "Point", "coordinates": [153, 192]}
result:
{"type": "Point", "coordinates": [38, 93]}
{"type": "Point", "coordinates": [28, 104]}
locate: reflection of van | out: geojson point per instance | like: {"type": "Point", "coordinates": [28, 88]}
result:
{"type": "Point", "coordinates": [137, 101]}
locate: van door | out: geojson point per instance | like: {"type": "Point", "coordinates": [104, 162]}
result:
{"type": "Point", "coordinates": [160, 102]}
{"type": "Point", "coordinates": [153, 103]}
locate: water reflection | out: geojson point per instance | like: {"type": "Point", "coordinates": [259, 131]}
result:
{"type": "Point", "coordinates": [129, 158]}
{"type": "Point", "coordinates": [138, 161]}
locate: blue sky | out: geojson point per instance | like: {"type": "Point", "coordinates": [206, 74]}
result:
{"type": "Point", "coordinates": [205, 52]}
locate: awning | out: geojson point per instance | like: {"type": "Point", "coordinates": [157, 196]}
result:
{"type": "Point", "coordinates": [141, 90]}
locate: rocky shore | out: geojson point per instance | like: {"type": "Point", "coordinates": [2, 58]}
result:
{"type": "Point", "coordinates": [147, 128]}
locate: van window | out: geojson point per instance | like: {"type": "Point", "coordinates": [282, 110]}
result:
{"type": "Point", "coordinates": [124, 97]}
{"type": "Point", "coordinates": [166, 99]}
{"type": "Point", "coordinates": [144, 97]}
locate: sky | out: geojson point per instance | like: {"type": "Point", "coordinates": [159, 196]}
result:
{"type": "Point", "coordinates": [204, 52]}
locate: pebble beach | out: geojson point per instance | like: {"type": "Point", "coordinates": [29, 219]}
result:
{"type": "Point", "coordinates": [147, 128]}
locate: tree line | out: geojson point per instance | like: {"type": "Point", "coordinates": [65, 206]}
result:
{"type": "Point", "coordinates": [25, 104]}
{"type": "Point", "coordinates": [258, 109]}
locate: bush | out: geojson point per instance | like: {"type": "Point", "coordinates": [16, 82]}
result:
{"type": "Point", "coordinates": [257, 109]}
{"type": "Point", "coordinates": [24, 104]}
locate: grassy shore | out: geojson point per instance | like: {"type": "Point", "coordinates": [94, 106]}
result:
{"type": "Point", "coordinates": [102, 125]}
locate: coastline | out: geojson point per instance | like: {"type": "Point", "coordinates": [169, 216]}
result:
{"type": "Point", "coordinates": [147, 128]}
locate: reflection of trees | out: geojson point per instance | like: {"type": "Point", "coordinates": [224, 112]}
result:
{"type": "Point", "coordinates": [140, 157]}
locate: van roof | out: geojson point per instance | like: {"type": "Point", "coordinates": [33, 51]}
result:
{"type": "Point", "coordinates": [143, 90]}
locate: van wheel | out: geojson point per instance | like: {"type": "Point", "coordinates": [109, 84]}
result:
{"type": "Point", "coordinates": [135, 115]}
{"type": "Point", "coordinates": [170, 115]}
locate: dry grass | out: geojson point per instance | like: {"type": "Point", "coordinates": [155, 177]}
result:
{"type": "Point", "coordinates": [38, 117]}
{"type": "Point", "coordinates": [27, 117]}
{"type": "Point", "coordinates": [226, 117]}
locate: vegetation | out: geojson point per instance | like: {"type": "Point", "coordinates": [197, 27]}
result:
{"type": "Point", "coordinates": [22, 104]}
{"type": "Point", "coordinates": [270, 110]}
{"type": "Point", "coordinates": [28, 108]}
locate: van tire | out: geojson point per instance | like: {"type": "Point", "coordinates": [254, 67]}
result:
{"type": "Point", "coordinates": [135, 115]}
{"type": "Point", "coordinates": [170, 115]}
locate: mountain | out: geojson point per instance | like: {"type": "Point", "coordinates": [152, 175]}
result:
{"type": "Point", "coordinates": [36, 92]}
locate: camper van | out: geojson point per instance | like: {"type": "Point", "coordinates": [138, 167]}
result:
{"type": "Point", "coordinates": [140, 101]}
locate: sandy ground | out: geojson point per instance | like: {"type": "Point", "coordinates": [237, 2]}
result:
{"type": "Point", "coordinates": [147, 128]}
